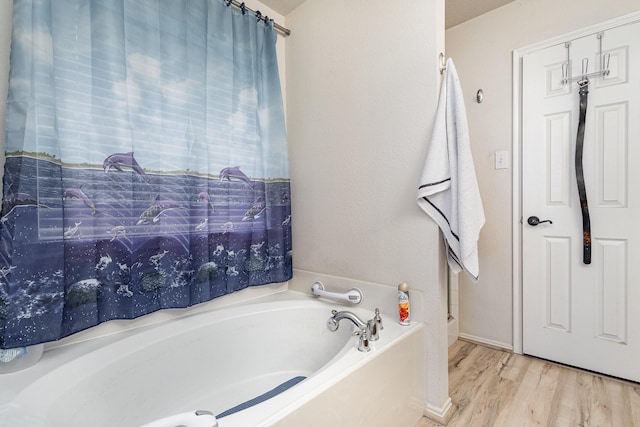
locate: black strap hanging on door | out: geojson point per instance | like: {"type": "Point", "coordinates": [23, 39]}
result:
{"type": "Point", "coordinates": [582, 193]}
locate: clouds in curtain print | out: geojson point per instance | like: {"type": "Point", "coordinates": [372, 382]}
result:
{"type": "Point", "coordinates": [170, 84]}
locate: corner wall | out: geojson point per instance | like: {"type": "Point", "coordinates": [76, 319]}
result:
{"type": "Point", "coordinates": [482, 51]}
{"type": "Point", "coordinates": [362, 87]}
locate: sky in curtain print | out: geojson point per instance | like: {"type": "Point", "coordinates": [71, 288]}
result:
{"type": "Point", "coordinates": [170, 84]}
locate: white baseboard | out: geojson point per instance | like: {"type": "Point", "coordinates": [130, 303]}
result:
{"type": "Point", "coordinates": [452, 331]}
{"type": "Point", "coordinates": [440, 415]}
{"type": "Point", "coordinates": [485, 341]}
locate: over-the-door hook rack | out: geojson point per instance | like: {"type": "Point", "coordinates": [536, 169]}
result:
{"type": "Point", "coordinates": [603, 63]}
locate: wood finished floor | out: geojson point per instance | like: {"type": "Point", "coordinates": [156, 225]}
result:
{"type": "Point", "coordinates": [495, 388]}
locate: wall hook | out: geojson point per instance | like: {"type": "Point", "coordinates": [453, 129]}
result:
{"type": "Point", "coordinates": [479, 96]}
{"type": "Point", "coordinates": [443, 64]}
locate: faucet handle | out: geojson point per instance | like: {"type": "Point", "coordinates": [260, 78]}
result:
{"type": "Point", "coordinates": [363, 342]}
{"type": "Point", "coordinates": [374, 326]}
{"type": "Point", "coordinates": [372, 329]}
{"type": "Point", "coordinates": [378, 319]}
{"type": "Point", "coordinates": [332, 323]}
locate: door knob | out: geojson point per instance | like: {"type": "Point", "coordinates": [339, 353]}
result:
{"type": "Point", "coordinates": [534, 220]}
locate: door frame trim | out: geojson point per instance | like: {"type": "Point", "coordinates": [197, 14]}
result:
{"type": "Point", "coordinates": [516, 209]}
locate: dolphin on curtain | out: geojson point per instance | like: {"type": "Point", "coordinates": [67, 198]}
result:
{"type": "Point", "coordinates": [13, 200]}
{"type": "Point", "coordinates": [234, 172]}
{"type": "Point", "coordinates": [124, 159]}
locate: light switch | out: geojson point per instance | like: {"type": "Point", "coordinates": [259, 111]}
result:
{"type": "Point", "coordinates": [502, 160]}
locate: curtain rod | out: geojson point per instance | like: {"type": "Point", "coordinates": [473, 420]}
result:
{"type": "Point", "coordinates": [282, 30]}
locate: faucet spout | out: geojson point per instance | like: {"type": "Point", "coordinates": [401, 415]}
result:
{"type": "Point", "coordinates": [363, 331]}
{"type": "Point", "coordinates": [337, 316]}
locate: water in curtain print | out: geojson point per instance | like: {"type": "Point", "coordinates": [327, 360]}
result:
{"type": "Point", "coordinates": [199, 249]}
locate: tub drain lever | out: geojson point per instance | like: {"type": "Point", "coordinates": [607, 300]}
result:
{"type": "Point", "coordinates": [353, 296]}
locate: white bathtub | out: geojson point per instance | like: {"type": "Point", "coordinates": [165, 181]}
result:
{"type": "Point", "coordinates": [218, 359]}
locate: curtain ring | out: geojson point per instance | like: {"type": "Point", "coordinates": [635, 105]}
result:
{"type": "Point", "coordinates": [258, 15]}
{"type": "Point", "coordinates": [229, 2]}
{"type": "Point", "coordinates": [243, 8]}
{"type": "Point", "coordinates": [266, 19]}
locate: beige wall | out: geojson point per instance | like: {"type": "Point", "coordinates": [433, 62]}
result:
{"type": "Point", "coordinates": [482, 51]}
{"type": "Point", "coordinates": [362, 79]}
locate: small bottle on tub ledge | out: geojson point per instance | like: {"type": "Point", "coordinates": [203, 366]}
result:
{"type": "Point", "coordinates": [404, 310]}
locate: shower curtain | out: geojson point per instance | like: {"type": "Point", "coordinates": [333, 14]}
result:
{"type": "Point", "coordinates": [146, 162]}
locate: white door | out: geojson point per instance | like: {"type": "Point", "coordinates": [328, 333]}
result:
{"type": "Point", "coordinates": [583, 315]}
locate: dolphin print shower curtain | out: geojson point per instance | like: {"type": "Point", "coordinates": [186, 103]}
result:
{"type": "Point", "coordinates": [146, 162]}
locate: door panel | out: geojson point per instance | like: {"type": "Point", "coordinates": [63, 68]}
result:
{"type": "Point", "coordinates": [583, 315]}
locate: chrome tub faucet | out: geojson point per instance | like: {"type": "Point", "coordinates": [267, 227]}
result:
{"type": "Point", "coordinates": [366, 331]}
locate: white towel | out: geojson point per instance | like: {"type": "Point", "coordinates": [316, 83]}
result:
{"type": "Point", "coordinates": [448, 189]}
